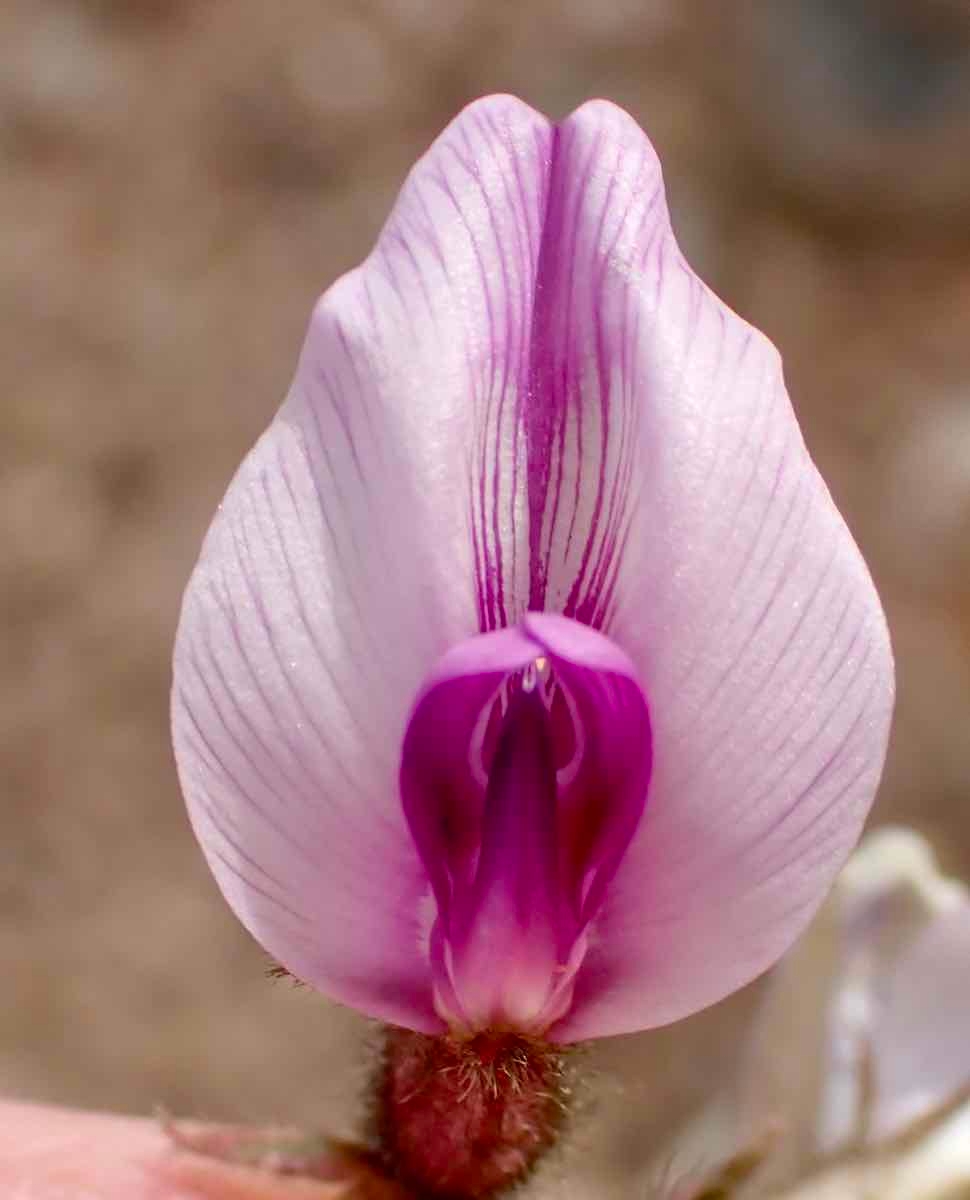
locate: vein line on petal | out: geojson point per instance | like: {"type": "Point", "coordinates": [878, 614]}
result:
{"type": "Point", "coordinates": [734, 715]}
{"type": "Point", "coordinates": [799, 492]}
{"type": "Point", "coordinates": [294, 692]}
{"type": "Point", "coordinates": [221, 766]}
{"type": "Point", "coordinates": [712, 868]}
{"type": "Point", "coordinates": [372, 649]}
{"type": "Point", "coordinates": [569, 401]}
{"type": "Point", "coordinates": [215, 813]}
{"type": "Point", "coordinates": [251, 729]}
{"type": "Point", "coordinates": [598, 266]}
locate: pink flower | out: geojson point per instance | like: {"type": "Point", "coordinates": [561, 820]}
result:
{"type": "Point", "coordinates": [529, 677]}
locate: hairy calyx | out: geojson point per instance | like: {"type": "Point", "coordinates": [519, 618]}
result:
{"type": "Point", "coordinates": [464, 1118]}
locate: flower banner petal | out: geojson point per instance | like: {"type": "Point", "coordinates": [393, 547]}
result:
{"type": "Point", "coordinates": [713, 555]}
{"type": "Point", "coordinates": [525, 399]}
{"type": "Point", "coordinates": [371, 528]}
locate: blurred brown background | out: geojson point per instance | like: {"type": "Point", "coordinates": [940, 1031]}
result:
{"type": "Point", "coordinates": [179, 179]}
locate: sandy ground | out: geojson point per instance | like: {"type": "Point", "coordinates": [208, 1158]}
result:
{"type": "Point", "coordinates": [179, 180]}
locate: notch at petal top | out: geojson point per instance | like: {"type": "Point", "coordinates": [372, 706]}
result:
{"type": "Point", "coordinates": [525, 419]}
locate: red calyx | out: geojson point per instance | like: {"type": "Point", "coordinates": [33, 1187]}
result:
{"type": "Point", "coordinates": [462, 1119]}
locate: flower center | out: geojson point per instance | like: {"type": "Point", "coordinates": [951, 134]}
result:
{"type": "Point", "coordinates": [524, 776]}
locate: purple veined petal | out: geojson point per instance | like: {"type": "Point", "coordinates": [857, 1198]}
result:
{"type": "Point", "coordinates": [921, 1036]}
{"type": "Point", "coordinates": [673, 505]}
{"type": "Point", "coordinates": [372, 527]}
{"type": "Point", "coordinates": [525, 399]}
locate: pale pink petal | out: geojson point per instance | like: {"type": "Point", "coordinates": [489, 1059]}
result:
{"type": "Point", "coordinates": [372, 527]}
{"type": "Point", "coordinates": [921, 1034]}
{"type": "Point", "coordinates": [525, 399]}
{"type": "Point", "coordinates": [674, 505]}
